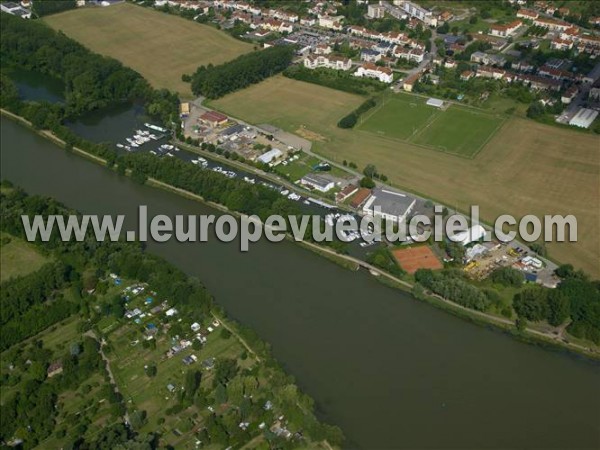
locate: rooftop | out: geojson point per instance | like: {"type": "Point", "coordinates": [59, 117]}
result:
{"type": "Point", "coordinates": [389, 202]}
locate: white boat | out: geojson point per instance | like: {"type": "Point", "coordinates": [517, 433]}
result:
{"type": "Point", "coordinates": [170, 154]}
{"type": "Point", "coordinates": [285, 192]}
{"type": "Point", "coordinates": [155, 127]}
{"type": "Point", "coordinates": [120, 145]}
{"type": "Point", "coordinates": [195, 161]}
{"type": "Point", "coordinates": [128, 148]}
{"type": "Point", "coordinates": [306, 202]}
{"type": "Point", "coordinates": [249, 180]}
{"type": "Point", "coordinates": [133, 144]}
{"type": "Point", "coordinates": [153, 152]}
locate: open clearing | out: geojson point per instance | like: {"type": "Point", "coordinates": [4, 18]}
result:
{"type": "Point", "coordinates": [19, 258]}
{"type": "Point", "coordinates": [159, 46]}
{"type": "Point", "coordinates": [526, 167]}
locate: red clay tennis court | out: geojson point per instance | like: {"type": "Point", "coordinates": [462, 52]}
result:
{"type": "Point", "coordinates": [413, 258]}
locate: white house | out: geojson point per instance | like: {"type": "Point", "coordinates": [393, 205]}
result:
{"type": "Point", "coordinates": [331, 22]}
{"type": "Point", "coordinates": [375, 11]}
{"type": "Point", "coordinates": [327, 61]}
{"type": "Point", "coordinates": [370, 70]}
{"type": "Point", "coordinates": [505, 30]}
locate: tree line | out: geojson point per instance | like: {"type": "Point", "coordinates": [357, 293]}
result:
{"type": "Point", "coordinates": [451, 287]}
{"type": "Point", "coordinates": [351, 119]}
{"type": "Point", "coordinates": [334, 79]}
{"type": "Point", "coordinates": [216, 81]}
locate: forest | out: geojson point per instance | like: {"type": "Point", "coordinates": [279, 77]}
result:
{"type": "Point", "coordinates": [576, 300]}
{"type": "Point", "coordinates": [91, 81]}
{"type": "Point", "coordinates": [216, 81]}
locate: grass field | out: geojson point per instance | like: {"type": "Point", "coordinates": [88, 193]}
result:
{"type": "Point", "coordinates": [18, 258]}
{"type": "Point", "coordinates": [160, 46]}
{"type": "Point", "coordinates": [458, 130]}
{"type": "Point", "coordinates": [400, 117]}
{"type": "Point", "coordinates": [526, 168]}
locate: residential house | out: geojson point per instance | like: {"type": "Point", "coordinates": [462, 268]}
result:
{"type": "Point", "coordinates": [552, 24]}
{"type": "Point", "coordinates": [327, 61]}
{"type": "Point", "coordinates": [331, 22]}
{"type": "Point", "coordinates": [370, 70]}
{"type": "Point", "coordinates": [505, 30]}
{"type": "Point", "coordinates": [561, 44]}
{"type": "Point", "coordinates": [569, 95]}
{"type": "Point", "coordinates": [410, 54]}
{"type": "Point", "coordinates": [527, 14]}
{"type": "Point", "coordinates": [370, 55]}
{"type": "Point", "coordinates": [375, 11]}
{"type": "Point", "coordinates": [409, 83]}
{"type": "Point", "coordinates": [420, 13]}
{"type": "Point", "coordinates": [467, 75]}
{"type": "Point", "coordinates": [323, 49]}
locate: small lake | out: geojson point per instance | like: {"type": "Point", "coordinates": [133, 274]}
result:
{"type": "Point", "coordinates": [36, 86]}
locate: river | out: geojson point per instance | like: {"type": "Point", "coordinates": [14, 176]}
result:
{"type": "Point", "coordinates": [391, 371]}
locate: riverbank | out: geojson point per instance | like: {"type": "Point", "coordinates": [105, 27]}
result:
{"type": "Point", "coordinates": [353, 263]}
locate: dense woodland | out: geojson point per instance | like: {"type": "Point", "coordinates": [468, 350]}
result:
{"type": "Point", "coordinates": [217, 81]}
{"type": "Point", "coordinates": [575, 301]}
{"type": "Point", "coordinates": [91, 81]}
{"type": "Point", "coordinates": [46, 7]}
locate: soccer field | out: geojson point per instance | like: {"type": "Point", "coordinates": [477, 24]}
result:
{"type": "Point", "coordinates": [399, 117]}
{"type": "Point", "coordinates": [456, 130]}
{"type": "Point", "coordinates": [459, 131]}
{"type": "Point", "coordinates": [160, 46]}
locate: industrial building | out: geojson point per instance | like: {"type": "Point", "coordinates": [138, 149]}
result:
{"type": "Point", "coordinates": [270, 156]}
{"type": "Point", "coordinates": [584, 118]}
{"type": "Point", "coordinates": [389, 205]}
{"type": "Point", "coordinates": [317, 182]}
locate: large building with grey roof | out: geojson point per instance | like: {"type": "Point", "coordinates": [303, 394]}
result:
{"type": "Point", "coordinates": [389, 205]}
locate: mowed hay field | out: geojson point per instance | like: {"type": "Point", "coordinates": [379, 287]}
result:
{"type": "Point", "coordinates": [526, 167]}
{"type": "Point", "coordinates": [159, 46]}
{"type": "Point", "coordinates": [292, 105]}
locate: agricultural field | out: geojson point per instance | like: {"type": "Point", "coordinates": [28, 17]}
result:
{"type": "Point", "coordinates": [525, 168]}
{"type": "Point", "coordinates": [18, 258]}
{"type": "Point", "coordinates": [160, 46]}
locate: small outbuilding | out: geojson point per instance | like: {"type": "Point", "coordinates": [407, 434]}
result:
{"type": "Point", "coordinates": [435, 102]}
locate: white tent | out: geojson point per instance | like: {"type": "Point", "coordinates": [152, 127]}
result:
{"type": "Point", "coordinates": [473, 234]}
